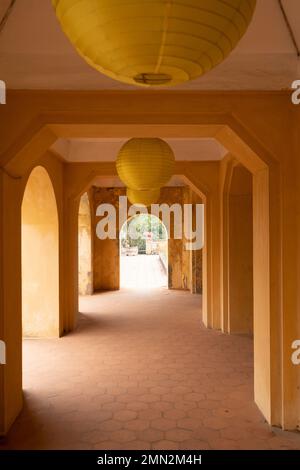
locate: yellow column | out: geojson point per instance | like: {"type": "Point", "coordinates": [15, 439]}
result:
{"type": "Point", "coordinates": [10, 298]}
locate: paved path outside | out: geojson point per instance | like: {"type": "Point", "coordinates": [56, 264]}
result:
{"type": "Point", "coordinates": [142, 272]}
{"type": "Point", "coordinates": [141, 372]}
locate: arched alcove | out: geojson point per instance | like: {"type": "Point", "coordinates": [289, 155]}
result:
{"type": "Point", "coordinates": [40, 257]}
{"type": "Point", "coordinates": [85, 270]}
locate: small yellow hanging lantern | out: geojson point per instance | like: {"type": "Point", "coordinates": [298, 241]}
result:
{"type": "Point", "coordinates": [149, 43]}
{"type": "Point", "coordinates": [145, 165]}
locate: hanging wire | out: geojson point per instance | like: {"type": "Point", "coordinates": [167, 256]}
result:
{"type": "Point", "coordinates": [289, 27]}
{"type": "Point", "coordinates": [6, 15]}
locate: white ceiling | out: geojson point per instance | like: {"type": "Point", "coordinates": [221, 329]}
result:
{"type": "Point", "coordinates": [106, 150]}
{"type": "Point", "coordinates": [95, 150]}
{"type": "Point", "coordinates": [115, 182]}
{"type": "Point", "coordinates": [35, 54]}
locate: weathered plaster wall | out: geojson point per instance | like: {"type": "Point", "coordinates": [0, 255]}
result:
{"type": "Point", "coordinates": [106, 252]}
{"type": "Point", "coordinates": [85, 269]}
{"type": "Point", "coordinates": [178, 262]}
{"type": "Point", "coordinates": [11, 196]}
{"type": "Point", "coordinates": [196, 255]}
{"type": "Point", "coordinates": [106, 260]}
{"type": "Point", "coordinates": [40, 257]}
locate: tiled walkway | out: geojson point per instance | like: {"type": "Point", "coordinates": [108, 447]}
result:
{"type": "Point", "coordinates": [141, 372]}
{"type": "Point", "coordinates": [142, 272]}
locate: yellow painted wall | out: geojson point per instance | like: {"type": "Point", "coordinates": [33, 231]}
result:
{"type": "Point", "coordinates": [40, 257]}
{"type": "Point", "coordinates": [178, 264]}
{"type": "Point", "coordinates": [11, 196]}
{"type": "Point", "coordinates": [240, 252]}
{"type": "Point", "coordinates": [259, 130]}
{"type": "Point", "coordinates": [106, 252]}
{"type": "Point", "coordinates": [85, 269]}
{"type": "Point", "coordinates": [196, 255]}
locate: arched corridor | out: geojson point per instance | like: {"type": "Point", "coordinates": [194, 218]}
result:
{"type": "Point", "coordinates": [211, 345]}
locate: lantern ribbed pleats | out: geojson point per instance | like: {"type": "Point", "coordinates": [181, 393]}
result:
{"type": "Point", "coordinates": [145, 165]}
{"type": "Point", "coordinates": [154, 42]}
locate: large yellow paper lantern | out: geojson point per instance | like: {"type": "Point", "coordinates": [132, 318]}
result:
{"type": "Point", "coordinates": [154, 42]}
{"type": "Point", "coordinates": [145, 165]}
